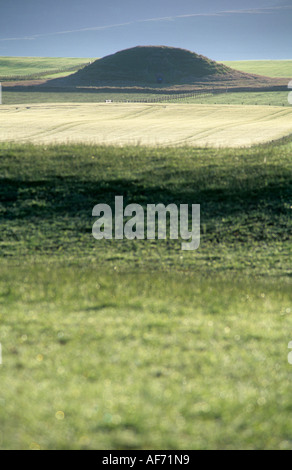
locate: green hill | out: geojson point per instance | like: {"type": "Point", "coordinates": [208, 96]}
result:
{"type": "Point", "coordinates": [24, 68]}
{"type": "Point", "coordinates": [268, 68]}
{"type": "Point", "coordinates": [147, 65]}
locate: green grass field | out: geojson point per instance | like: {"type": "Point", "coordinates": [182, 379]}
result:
{"type": "Point", "coordinates": [276, 98]}
{"type": "Point", "coordinates": [268, 68]}
{"type": "Point", "coordinates": [23, 97]}
{"type": "Point", "coordinates": [137, 344]}
{"type": "Point", "coordinates": [47, 67]}
{"type": "Point", "coordinates": [251, 98]}
{"type": "Point", "coordinates": [148, 124]}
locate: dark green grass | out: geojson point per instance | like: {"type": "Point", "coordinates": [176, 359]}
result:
{"type": "Point", "coordinates": [250, 98]}
{"type": "Point", "coordinates": [276, 98]}
{"type": "Point", "coordinates": [245, 198]}
{"type": "Point", "coordinates": [144, 64]}
{"type": "Point", "coordinates": [137, 344]}
{"type": "Point", "coordinates": [22, 97]}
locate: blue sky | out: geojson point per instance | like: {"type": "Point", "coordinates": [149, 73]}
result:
{"type": "Point", "coordinates": [221, 29]}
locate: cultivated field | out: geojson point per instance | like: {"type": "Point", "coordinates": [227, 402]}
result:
{"type": "Point", "coordinates": [146, 124]}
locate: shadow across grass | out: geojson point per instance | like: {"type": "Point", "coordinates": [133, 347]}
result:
{"type": "Point", "coordinates": [49, 192]}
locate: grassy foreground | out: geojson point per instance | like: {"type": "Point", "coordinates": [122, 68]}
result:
{"type": "Point", "coordinates": [98, 359]}
{"type": "Point", "coordinates": [136, 344]}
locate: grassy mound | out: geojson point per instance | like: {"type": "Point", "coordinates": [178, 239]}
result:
{"type": "Point", "coordinates": [148, 64]}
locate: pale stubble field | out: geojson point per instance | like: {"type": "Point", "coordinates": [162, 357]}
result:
{"type": "Point", "coordinates": [145, 124]}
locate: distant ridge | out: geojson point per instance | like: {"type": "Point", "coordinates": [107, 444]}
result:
{"type": "Point", "coordinates": [148, 65]}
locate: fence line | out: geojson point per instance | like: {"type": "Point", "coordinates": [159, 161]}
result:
{"type": "Point", "coordinates": [172, 97]}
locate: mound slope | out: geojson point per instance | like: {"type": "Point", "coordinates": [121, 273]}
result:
{"type": "Point", "coordinates": [147, 65]}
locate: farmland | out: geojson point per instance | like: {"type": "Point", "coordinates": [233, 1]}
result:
{"type": "Point", "coordinates": [148, 124]}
